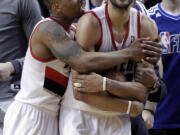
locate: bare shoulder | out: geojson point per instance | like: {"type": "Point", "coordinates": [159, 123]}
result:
{"type": "Point", "coordinates": [89, 21]}
{"type": "Point", "coordinates": [47, 35]}
{"type": "Point", "coordinates": [148, 27]}
{"type": "Point", "coordinates": [49, 31]}
{"type": "Point", "coordinates": [88, 31]}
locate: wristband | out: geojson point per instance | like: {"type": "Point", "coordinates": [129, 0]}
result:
{"type": "Point", "coordinates": [149, 110]}
{"type": "Point", "coordinates": [129, 107]}
{"type": "Point", "coordinates": [104, 83]}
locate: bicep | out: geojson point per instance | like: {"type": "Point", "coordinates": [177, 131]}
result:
{"type": "Point", "coordinates": [56, 39]}
{"type": "Point", "coordinates": [88, 33]}
{"type": "Point", "coordinates": [148, 28]}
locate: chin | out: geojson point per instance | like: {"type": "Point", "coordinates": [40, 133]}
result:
{"type": "Point", "coordinates": [121, 4]}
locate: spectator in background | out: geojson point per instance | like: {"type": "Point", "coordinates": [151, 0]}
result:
{"type": "Point", "coordinates": [167, 17]}
{"type": "Point", "coordinates": [90, 4]}
{"type": "Point", "coordinates": [18, 17]}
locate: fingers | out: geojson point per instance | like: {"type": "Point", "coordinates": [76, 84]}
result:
{"type": "Point", "coordinates": [147, 64]}
{"type": "Point", "coordinates": [78, 83]}
{"type": "Point", "coordinates": [152, 48]}
{"type": "Point", "coordinates": [143, 39]}
{"type": "Point", "coordinates": [152, 59]}
{"type": "Point", "coordinates": [80, 89]}
{"type": "Point", "coordinates": [138, 78]}
{"type": "Point", "coordinates": [151, 53]}
{"type": "Point", "coordinates": [152, 43]}
{"type": "Point", "coordinates": [139, 68]}
{"type": "Point", "coordinates": [79, 77]}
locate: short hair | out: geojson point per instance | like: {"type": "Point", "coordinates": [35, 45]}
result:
{"type": "Point", "coordinates": [48, 3]}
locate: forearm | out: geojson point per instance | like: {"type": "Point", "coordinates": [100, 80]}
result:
{"type": "Point", "coordinates": [110, 103]}
{"type": "Point", "coordinates": [127, 90]}
{"type": "Point", "coordinates": [103, 101]}
{"type": "Point", "coordinates": [97, 61]}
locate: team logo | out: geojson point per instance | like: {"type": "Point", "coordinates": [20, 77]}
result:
{"type": "Point", "coordinates": [165, 38]}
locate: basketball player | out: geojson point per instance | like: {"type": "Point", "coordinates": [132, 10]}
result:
{"type": "Point", "coordinates": [167, 17]}
{"type": "Point", "coordinates": [147, 76]}
{"type": "Point", "coordinates": [45, 74]}
{"type": "Point", "coordinates": [110, 27]}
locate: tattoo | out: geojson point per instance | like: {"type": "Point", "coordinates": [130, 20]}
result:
{"type": "Point", "coordinates": [61, 45]}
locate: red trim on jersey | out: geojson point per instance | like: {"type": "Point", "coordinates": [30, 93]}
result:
{"type": "Point", "coordinates": [139, 24]}
{"type": "Point", "coordinates": [127, 33]}
{"type": "Point", "coordinates": [35, 57]}
{"type": "Point", "coordinates": [101, 38]}
{"type": "Point", "coordinates": [111, 32]}
{"type": "Point", "coordinates": [74, 25]}
{"type": "Point", "coordinates": [56, 76]}
{"type": "Point", "coordinates": [73, 29]}
{"type": "Point", "coordinates": [110, 28]}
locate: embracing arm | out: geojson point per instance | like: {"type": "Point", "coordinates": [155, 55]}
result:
{"type": "Point", "coordinates": [127, 90]}
{"type": "Point", "coordinates": [93, 83]}
{"type": "Point", "coordinates": [109, 103]}
{"type": "Point", "coordinates": [54, 38]}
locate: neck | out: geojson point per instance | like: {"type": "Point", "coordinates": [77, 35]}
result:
{"type": "Point", "coordinates": [172, 6]}
{"type": "Point", "coordinates": [118, 17]}
{"type": "Point", "coordinates": [65, 22]}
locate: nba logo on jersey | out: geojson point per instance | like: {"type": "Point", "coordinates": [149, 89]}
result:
{"type": "Point", "coordinates": [165, 38]}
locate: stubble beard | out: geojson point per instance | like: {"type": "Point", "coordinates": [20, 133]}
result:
{"type": "Point", "coordinates": [121, 7]}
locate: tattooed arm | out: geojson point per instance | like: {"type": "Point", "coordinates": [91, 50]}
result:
{"type": "Point", "coordinates": [50, 40]}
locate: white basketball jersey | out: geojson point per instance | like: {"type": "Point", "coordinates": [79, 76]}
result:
{"type": "Point", "coordinates": [43, 81]}
{"type": "Point", "coordinates": [106, 44]}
